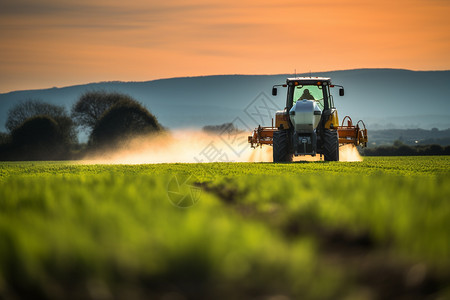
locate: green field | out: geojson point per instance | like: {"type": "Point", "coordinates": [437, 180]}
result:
{"type": "Point", "coordinates": [375, 229]}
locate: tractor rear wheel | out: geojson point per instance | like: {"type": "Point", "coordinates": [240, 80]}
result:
{"type": "Point", "coordinates": [281, 146]}
{"type": "Point", "coordinates": [331, 145]}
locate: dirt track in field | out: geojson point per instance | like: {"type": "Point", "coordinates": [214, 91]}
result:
{"type": "Point", "coordinates": [373, 270]}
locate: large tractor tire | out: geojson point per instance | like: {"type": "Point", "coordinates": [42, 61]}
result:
{"type": "Point", "coordinates": [281, 146]}
{"type": "Point", "coordinates": [331, 145]}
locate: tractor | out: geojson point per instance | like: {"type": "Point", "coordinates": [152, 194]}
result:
{"type": "Point", "coordinates": [309, 123]}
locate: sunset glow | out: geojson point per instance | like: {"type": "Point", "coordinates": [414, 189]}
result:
{"type": "Point", "coordinates": [56, 43]}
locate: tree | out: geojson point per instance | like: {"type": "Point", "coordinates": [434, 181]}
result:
{"type": "Point", "coordinates": [92, 105]}
{"type": "Point", "coordinates": [39, 137]}
{"type": "Point", "coordinates": [122, 121]}
{"type": "Point", "coordinates": [32, 108]}
{"type": "Point", "coordinates": [398, 143]}
{"type": "Point", "coordinates": [4, 138]}
{"type": "Point", "coordinates": [217, 129]}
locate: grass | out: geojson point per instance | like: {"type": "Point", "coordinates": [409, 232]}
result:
{"type": "Point", "coordinates": [364, 230]}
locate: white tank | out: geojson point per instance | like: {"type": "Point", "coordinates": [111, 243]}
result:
{"type": "Point", "coordinates": [305, 116]}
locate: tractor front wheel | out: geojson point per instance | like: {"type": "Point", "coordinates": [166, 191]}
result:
{"type": "Point", "coordinates": [331, 145]}
{"type": "Point", "coordinates": [281, 147]}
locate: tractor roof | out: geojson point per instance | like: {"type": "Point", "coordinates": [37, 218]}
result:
{"type": "Point", "coordinates": [308, 80]}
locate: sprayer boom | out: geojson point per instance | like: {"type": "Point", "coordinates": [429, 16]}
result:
{"type": "Point", "coordinates": [350, 134]}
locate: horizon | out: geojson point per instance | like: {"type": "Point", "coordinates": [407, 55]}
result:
{"type": "Point", "coordinates": [210, 75]}
{"type": "Point", "coordinates": [50, 43]}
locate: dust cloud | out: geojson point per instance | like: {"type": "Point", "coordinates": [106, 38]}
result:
{"type": "Point", "coordinates": [182, 146]}
{"type": "Point", "coordinates": [349, 153]}
{"type": "Point", "coordinates": [193, 146]}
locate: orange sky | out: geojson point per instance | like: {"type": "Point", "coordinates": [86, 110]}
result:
{"type": "Point", "coordinates": [50, 43]}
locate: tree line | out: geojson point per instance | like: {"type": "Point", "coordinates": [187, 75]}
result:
{"type": "Point", "coordinates": [400, 149]}
{"type": "Point", "coordinates": [37, 130]}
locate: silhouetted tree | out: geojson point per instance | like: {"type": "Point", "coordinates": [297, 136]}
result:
{"type": "Point", "coordinates": [447, 150]}
{"type": "Point", "coordinates": [405, 150]}
{"type": "Point", "coordinates": [4, 138]}
{"type": "Point", "coordinates": [92, 105]}
{"type": "Point", "coordinates": [398, 143]}
{"type": "Point", "coordinates": [217, 129]}
{"type": "Point", "coordinates": [435, 150]}
{"type": "Point", "coordinates": [31, 108]}
{"type": "Point", "coordinates": [39, 138]}
{"type": "Point", "coordinates": [5, 146]}
{"type": "Point", "coordinates": [123, 120]}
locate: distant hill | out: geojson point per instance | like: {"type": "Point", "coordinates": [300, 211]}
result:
{"type": "Point", "coordinates": [384, 98]}
{"type": "Point", "coordinates": [409, 137]}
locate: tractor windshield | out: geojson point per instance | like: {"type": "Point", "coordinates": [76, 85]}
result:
{"type": "Point", "coordinates": [309, 92]}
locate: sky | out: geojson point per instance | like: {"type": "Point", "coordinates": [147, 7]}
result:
{"type": "Point", "coordinates": [48, 43]}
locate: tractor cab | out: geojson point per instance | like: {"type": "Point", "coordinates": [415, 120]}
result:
{"type": "Point", "coordinates": [316, 89]}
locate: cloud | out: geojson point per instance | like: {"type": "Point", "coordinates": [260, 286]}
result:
{"type": "Point", "coordinates": [142, 39]}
